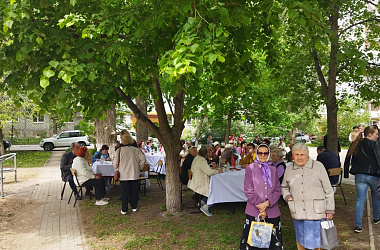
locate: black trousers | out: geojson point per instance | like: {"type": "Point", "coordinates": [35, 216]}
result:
{"type": "Point", "coordinates": [100, 187]}
{"type": "Point", "coordinates": [129, 194]}
{"type": "Point", "coordinates": [70, 180]}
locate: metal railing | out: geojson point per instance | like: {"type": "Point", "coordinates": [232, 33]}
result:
{"type": "Point", "coordinates": [4, 158]}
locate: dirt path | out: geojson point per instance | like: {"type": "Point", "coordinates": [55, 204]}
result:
{"type": "Point", "coordinates": [32, 215]}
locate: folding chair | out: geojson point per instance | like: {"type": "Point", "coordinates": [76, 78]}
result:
{"type": "Point", "coordinates": [157, 174]}
{"type": "Point", "coordinates": [337, 172]}
{"type": "Point", "coordinates": [78, 185]}
{"type": "Point", "coordinates": [142, 179]}
{"type": "Point", "coordinates": [63, 190]}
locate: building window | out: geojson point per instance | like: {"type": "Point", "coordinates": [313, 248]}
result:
{"type": "Point", "coordinates": [38, 118]}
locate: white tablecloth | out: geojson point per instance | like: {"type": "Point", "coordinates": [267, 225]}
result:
{"type": "Point", "coordinates": [227, 187]}
{"type": "Point", "coordinates": [153, 160]}
{"type": "Point", "coordinates": [106, 168]}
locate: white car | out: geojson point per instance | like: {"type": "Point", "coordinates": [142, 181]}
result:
{"type": "Point", "coordinates": [64, 139]}
{"type": "Point", "coordinates": [302, 138]}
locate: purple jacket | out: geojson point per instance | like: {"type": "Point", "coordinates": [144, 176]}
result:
{"type": "Point", "coordinates": [258, 192]}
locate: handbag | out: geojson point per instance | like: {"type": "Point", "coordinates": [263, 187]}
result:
{"type": "Point", "coordinates": [116, 177]}
{"type": "Point", "coordinates": [329, 235]}
{"type": "Point", "coordinates": [260, 234]}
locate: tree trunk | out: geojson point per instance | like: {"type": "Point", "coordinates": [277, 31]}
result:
{"type": "Point", "coordinates": [292, 134]}
{"type": "Point", "coordinates": [55, 128]}
{"type": "Point", "coordinates": [172, 183]}
{"type": "Point", "coordinates": [331, 104]}
{"type": "Point", "coordinates": [227, 135]}
{"type": "Point", "coordinates": [105, 131]}
{"type": "Point", "coordinates": [199, 127]}
{"type": "Point", "coordinates": [2, 151]}
{"type": "Point", "coordinates": [141, 128]}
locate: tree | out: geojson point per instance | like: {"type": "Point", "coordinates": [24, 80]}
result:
{"type": "Point", "coordinates": [101, 52]}
{"type": "Point", "coordinates": [10, 111]}
{"type": "Point", "coordinates": [340, 38]}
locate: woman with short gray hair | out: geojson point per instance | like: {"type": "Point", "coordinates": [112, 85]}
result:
{"type": "Point", "coordinates": [307, 190]}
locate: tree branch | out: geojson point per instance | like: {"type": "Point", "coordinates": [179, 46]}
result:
{"type": "Point", "coordinates": [138, 113]}
{"type": "Point", "coordinates": [321, 77]}
{"type": "Point", "coordinates": [370, 2]}
{"type": "Point", "coordinates": [342, 68]}
{"type": "Point", "coordinates": [358, 23]}
{"type": "Point", "coordinates": [160, 107]}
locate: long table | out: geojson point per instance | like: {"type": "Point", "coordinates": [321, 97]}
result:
{"type": "Point", "coordinates": [153, 159]}
{"type": "Point", "coordinates": [227, 187]}
{"type": "Point", "coordinates": [106, 168]}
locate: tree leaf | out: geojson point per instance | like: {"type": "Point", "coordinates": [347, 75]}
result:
{"type": "Point", "coordinates": [48, 72]}
{"type": "Point", "coordinates": [9, 23]}
{"type": "Point", "coordinates": [39, 40]}
{"type": "Point", "coordinates": [66, 78]}
{"type": "Point", "coordinates": [12, 2]}
{"type": "Point", "coordinates": [44, 81]}
{"type": "Point", "coordinates": [73, 2]}
{"type": "Point", "coordinates": [54, 64]}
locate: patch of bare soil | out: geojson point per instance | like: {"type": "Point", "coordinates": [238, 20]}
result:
{"type": "Point", "coordinates": [16, 207]}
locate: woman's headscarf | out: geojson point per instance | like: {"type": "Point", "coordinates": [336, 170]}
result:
{"type": "Point", "coordinates": [265, 170]}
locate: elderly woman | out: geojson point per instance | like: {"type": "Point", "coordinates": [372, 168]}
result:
{"type": "Point", "coordinates": [262, 189]}
{"type": "Point", "coordinates": [307, 190]}
{"type": "Point", "coordinates": [228, 153]}
{"type": "Point", "coordinates": [85, 176]}
{"type": "Point", "coordinates": [129, 161]}
{"type": "Point", "coordinates": [200, 183]}
{"type": "Point", "coordinates": [278, 163]}
{"type": "Point", "coordinates": [364, 158]}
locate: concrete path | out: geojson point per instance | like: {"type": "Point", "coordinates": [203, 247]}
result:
{"type": "Point", "coordinates": [51, 223]}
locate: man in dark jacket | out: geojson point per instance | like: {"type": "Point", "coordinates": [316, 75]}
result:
{"type": "Point", "coordinates": [186, 165]}
{"type": "Point", "coordinates": [66, 164]}
{"type": "Point", "coordinates": [329, 160]}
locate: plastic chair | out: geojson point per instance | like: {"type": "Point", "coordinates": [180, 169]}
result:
{"type": "Point", "coordinates": [337, 172]}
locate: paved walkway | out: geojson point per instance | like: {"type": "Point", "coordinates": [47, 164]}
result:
{"type": "Point", "coordinates": [52, 224]}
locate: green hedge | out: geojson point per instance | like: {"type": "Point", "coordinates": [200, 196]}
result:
{"type": "Point", "coordinates": [26, 141]}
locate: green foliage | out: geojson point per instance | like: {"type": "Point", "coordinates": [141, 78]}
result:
{"type": "Point", "coordinates": [86, 127]}
{"type": "Point", "coordinates": [351, 113]}
{"type": "Point", "coordinates": [29, 159]}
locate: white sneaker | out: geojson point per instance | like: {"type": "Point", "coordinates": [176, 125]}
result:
{"type": "Point", "coordinates": [101, 203]}
{"type": "Point", "coordinates": [105, 199]}
{"type": "Point", "coordinates": [134, 209]}
{"type": "Point", "coordinates": [123, 212]}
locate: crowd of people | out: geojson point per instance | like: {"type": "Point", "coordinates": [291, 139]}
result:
{"type": "Point", "coordinates": [271, 174]}
{"type": "Point", "coordinates": [302, 182]}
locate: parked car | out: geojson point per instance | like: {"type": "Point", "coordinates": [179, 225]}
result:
{"type": "Point", "coordinates": [313, 138]}
{"type": "Point", "coordinates": [7, 144]}
{"type": "Point", "coordinates": [64, 139]}
{"type": "Point", "coordinates": [302, 138]}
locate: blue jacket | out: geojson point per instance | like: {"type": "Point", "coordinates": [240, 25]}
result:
{"type": "Point", "coordinates": [97, 156]}
{"type": "Point", "coordinates": [329, 160]}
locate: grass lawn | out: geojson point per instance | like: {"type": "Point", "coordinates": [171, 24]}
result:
{"type": "Point", "coordinates": [29, 159]}
{"type": "Point", "coordinates": [152, 228]}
